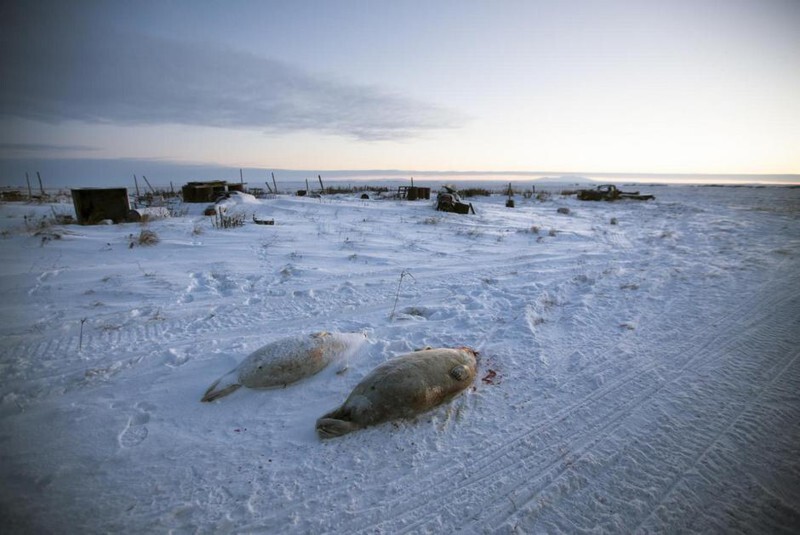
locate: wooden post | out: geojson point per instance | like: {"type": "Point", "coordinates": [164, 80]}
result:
{"type": "Point", "coordinates": [268, 188]}
{"type": "Point", "coordinates": [40, 183]}
{"type": "Point", "coordinates": [321, 185]}
{"type": "Point", "coordinates": [136, 183]}
{"type": "Point", "coordinates": [412, 181]}
{"type": "Point", "coordinates": [274, 183]}
{"type": "Point", "coordinates": [30, 193]}
{"type": "Point", "coordinates": [148, 183]}
{"type": "Point", "coordinates": [241, 177]}
{"type": "Point", "coordinates": [307, 190]}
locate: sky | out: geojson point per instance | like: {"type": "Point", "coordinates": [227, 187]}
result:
{"type": "Point", "coordinates": [628, 86]}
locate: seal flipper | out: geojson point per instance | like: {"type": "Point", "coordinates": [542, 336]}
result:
{"type": "Point", "coordinates": [223, 386]}
{"type": "Point", "coordinates": [331, 427]}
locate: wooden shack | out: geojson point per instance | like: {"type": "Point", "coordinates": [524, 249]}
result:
{"type": "Point", "coordinates": [413, 193]}
{"type": "Point", "coordinates": [93, 205]}
{"type": "Point", "coordinates": [208, 191]}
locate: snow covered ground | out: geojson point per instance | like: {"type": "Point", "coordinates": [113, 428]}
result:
{"type": "Point", "coordinates": [636, 375]}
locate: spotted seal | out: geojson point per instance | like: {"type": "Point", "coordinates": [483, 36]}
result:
{"type": "Point", "coordinates": [286, 361]}
{"type": "Point", "coordinates": [401, 388]}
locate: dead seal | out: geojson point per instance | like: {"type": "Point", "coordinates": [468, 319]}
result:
{"type": "Point", "coordinates": [402, 388]}
{"type": "Point", "coordinates": [286, 361]}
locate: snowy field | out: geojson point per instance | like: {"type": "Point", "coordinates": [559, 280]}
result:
{"type": "Point", "coordinates": [638, 368]}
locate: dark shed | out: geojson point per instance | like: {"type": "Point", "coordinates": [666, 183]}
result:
{"type": "Point", "coordinates": [413, 193]}
{"type": "Point", "coordinates": [93, 205]}
{"type": "Point", "coordinates": [208, 191]}
{"type": "Point", "coordinates": [203, 191]}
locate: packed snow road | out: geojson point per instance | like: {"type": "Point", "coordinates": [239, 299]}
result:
{"type": "Point", "coordinates": [638, 372]}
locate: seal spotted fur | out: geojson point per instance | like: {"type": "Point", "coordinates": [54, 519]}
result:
{"type": "Point", "coordinates": [286, 361]}
{"type": "Point", "coordinates": [401, 388]}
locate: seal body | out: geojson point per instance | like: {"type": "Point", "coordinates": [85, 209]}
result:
{"type": "Point", "coordinates": [401, 388]}
{"type": "Point", "coordinates": [286, 361]}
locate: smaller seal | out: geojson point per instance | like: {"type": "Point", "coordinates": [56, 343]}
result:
{"type": "Point", "coordinates": [286, 361]}
{"type": "Point", "coordinates": [402, 388]}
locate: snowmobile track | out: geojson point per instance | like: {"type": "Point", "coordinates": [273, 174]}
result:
{"type": "Point", "coordinates": [597, 415]}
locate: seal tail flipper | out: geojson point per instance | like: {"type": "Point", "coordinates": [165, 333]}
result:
{"type": "Point", "coordinates": [331, 427]}
{"type": "Point", "coordinates": [222, 387]}
{"type": "Point", "coordinates": [212, 394]}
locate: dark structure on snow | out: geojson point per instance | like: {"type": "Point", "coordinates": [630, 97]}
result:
{"type": "Point", "coordinates": [93, 205]}
{"type": "Point", "coordinates": [448, 200]}
{"type": "Point", "coordinates": [208, 191]}
{"type": "Point", "coordinates": [609, 192]}
{"type": "Point", "coordinates": [413, 193]}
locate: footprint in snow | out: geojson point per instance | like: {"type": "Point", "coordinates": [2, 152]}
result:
{"type": "Point", "coordinates": [135, 431]}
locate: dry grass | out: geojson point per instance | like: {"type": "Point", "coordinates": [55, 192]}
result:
{"type": "Point", "coordinates": [146, 237]}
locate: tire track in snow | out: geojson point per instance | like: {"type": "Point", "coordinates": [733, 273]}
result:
{"type": "Point", "coordinates": [780, 368]}
{"type": "Point", "coordinates": [713, 377]}
{"type": "Point", "coordinates": [501, 462]}
{"type": "Point", "coordinates": [59, 363]}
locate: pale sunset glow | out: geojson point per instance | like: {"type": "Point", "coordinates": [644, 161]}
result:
{"type": "Point", "coordinates": [679, 87]}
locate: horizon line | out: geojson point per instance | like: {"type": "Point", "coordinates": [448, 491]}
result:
{"type": "Point", "coordinates": [77, 172]}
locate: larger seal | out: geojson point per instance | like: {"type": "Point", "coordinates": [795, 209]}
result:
{"type": "Point", "coordinates": [402, 388]}
{"type": "Point", "coordinates": [286, 361]}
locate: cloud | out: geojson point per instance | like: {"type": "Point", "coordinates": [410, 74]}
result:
{"type": "Point", "coordinates": [89, 73]}
{"type": "Point", "coordinates": [40, 148]}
